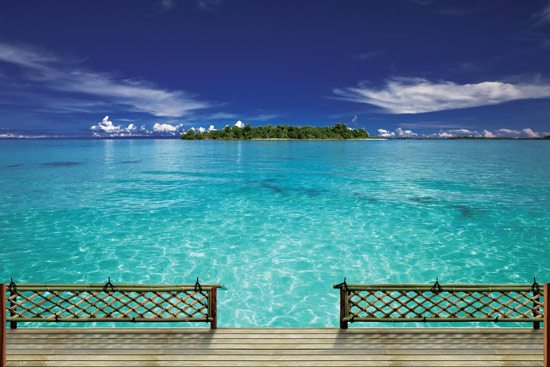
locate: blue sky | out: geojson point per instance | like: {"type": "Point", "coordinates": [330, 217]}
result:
{"type": "Point", "coordinates": [396, 68]}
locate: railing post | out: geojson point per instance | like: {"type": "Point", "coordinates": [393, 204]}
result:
{"type": "Point", "coordinates": [343, 306]}
{"type": "Point", "coordinates": [13, 324]}
{"type": "Point", "coordinates": [213, 308]}
{"type": "Point", "coordinates": [536, 294]}
{"type": "Point", "coordinates": [546, 320]}
{"type": "Point", "coordinates": [3, 325]}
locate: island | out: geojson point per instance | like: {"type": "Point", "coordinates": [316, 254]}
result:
{"type": "Point", "coordinates": [279, 132]}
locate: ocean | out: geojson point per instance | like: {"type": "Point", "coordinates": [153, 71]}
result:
{"type": "Point", "coordinates": [276, 222]}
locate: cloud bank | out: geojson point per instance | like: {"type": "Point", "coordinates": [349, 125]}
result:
{"type": "Point", "coordinates": [462, 133]}
{"type": "Point", "coordinates": [25, 136]}
{"type": "Point", "coordinates": [107, 129]}
{"type": "Point", "coordinates": [398, 133]}
{"type": "Point", "coordinates": [61, 75]}
{"type": "Point", "coordinates": [411, 96]}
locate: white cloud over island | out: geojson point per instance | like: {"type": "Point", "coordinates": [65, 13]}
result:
{"type": "Point", "coordinates": [416, 95]}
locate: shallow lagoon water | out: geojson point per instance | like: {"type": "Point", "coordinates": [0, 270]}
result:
{"type": "Point", "coordinates": [276, 222]}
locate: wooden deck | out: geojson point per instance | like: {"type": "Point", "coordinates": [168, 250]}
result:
{"type": "Point", "coordinates": [275, 347]}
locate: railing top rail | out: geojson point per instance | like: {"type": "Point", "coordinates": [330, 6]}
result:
{"type": "Point", "coordinates": [440, 288]}
{"type": "Point", "coordinates": [114, 288]}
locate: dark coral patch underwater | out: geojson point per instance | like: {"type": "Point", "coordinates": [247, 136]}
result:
{"type": "Point", "coordinates": [61, 164]}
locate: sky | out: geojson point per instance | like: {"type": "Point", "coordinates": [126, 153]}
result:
{"type": "Point", "coordinates": [404, 68]}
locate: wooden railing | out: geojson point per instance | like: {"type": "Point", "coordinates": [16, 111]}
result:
{"type": "Point", "coordinates": [441, 303]}
{"type": "Point", "coordinates": [110, 303]}
{"type": "Point", "coordinates": [197, 303]}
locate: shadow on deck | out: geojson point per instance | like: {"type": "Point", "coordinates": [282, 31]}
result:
{"type": "Point", "coordinates": [275, 347]}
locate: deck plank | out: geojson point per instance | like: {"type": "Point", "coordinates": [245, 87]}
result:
{"type": "Point", "coordinates": [76, 347]}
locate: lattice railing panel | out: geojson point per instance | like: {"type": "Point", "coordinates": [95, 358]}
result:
{"type": "Point", "coordinates": [120, 303]}
{"type": "Point", "coordinates": [453, 303]}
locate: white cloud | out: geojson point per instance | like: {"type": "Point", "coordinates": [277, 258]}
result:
{"type": "Point", "coordinates": [26, 56]}
{"type": "Point", "coordinates": [212, 128]}
{"type": "Point", "coordinates": [454, 133]}
{"type": "Point", "coordinates": [107, 128]}
{"type": "Point", "coordinates": [383, 133]}
{"type": "Point", "coordinates": [220, 115]}
{"type": "Point", "coordinates": [488, 134]}
{"type": "Point", "coordinates": [165, 128]}
{"type": "Point", "coordinates": [444, 134]}
{"type": "Point", "coordinates": [24, 136]}
{"type": "Point", "coordinates": [405, 133]}
{"type": "Point", "coordinates": [397, 133]}
{"type": "Point", "coordinates": [507, 133]}
{"type": "Point", "coordinates": [239, 124]}
{"type": "Point", "coordinates": [201, 129]}
{"type": "Point", "coordinates": [530, 133]}
{"type": "Point", "coordinates": [543, 16]}
{"type": "Point", "coordinates": [57, 74]}
{"type": "Point", "coordinates": [462, 131]}
{"type": "Point", "coordinates": [136, 94]}
{"type": "Point", "coordinates": [466, 133]}
{"type": "Point", "coordinates": [410, 96]}
{"type": "Point", "coordinates": [207, 4]}
{"type": "Point", "coordinates": [249, 117]}
{"type": "Point", "coordinates": [459, 133]}
{"type": "Point", "coordinates": [167, 4]}
{"type": "Point", "coordinates": [367, 55]}
{"type": "Point", "coordinates": [524, 133]}
{"type": "Point", "coordinates": [263, 117]}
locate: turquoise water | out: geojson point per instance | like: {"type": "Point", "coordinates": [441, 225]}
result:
{"type": "Point", "coordinates": [276, 222]}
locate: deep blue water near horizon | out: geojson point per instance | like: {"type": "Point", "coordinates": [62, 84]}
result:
{"type": "Point", "coordinates": [276, 222]}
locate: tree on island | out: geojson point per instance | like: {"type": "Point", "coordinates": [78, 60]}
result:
{"type": "Point", "coordinates": [336, 132]}
{"type": "Point", "coordinates": [189, 135]}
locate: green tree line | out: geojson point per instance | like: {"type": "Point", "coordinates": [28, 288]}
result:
{"type": "Point", "coordinates": [336, 132]}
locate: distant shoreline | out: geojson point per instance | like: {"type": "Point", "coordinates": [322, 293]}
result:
{"type": "Point", "coordinates": [255, 139]}
{"type": "Point", "coordinates": [289, 139]}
